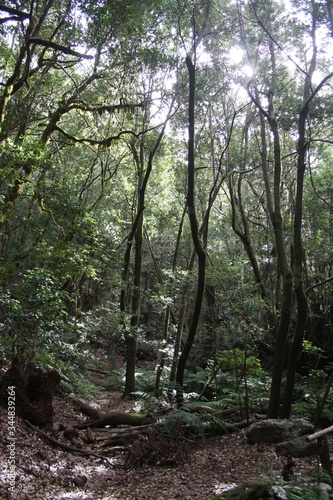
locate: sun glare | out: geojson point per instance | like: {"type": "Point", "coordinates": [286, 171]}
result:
{"type": "Point", "coordinates": [236, 54]}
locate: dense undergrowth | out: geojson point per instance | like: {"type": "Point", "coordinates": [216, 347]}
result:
{"type": "Point", "coordinates": [41, 328]}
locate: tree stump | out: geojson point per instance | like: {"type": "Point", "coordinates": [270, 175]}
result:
{"type": "Point", "coordinates": [34, 390]}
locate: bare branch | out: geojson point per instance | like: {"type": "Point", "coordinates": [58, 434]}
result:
{"type": "Point", "coordinates": [14, 12]}
{"type": "Point", "coordinates": [95, 142]}
{"type": "Point", "coordinates": [202, 33]}
{"type": "Point", "coordinates": [261, 24]}
{"type": "Point", "coordinates": [315, 92]}
{"type": "Point", "coordinates": [106, 108]}
{"type": "Point", "coordinates": [61, 48]}
{"type": "Point", "coordinates": [319, 284]}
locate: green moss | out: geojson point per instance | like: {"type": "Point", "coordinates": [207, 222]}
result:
{"type": "Point", "coordinates": [251, 491]}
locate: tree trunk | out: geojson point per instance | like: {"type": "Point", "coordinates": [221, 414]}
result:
{"type": "Point", "coordinates": [274, 209]}
{"type": "Point", "coordinates": [115, 418]}
{"type": "Point", "coordinates": [201, 254]}
{"type": "Point", "coordinates": [287, 283]}
{"type": "Point", "coordinates": [244, 234]}
{"type": "Point", "coordinates": [136, 233]}
{"type": "Point", "coordinates": [131, 335]}
{"type": "Point", "coordinates": [178, 340]}
{"type": "Point", "coordinates": [298, 257]}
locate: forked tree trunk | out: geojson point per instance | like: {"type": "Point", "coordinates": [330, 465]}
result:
{"type": "Point", "coordinates": [130, 337]}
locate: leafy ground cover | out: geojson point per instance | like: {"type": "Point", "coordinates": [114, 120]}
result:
{"type": "Point", "coordinates": [211, 465]}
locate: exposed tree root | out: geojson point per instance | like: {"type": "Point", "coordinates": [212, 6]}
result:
{"type": "Point", "coordinates": [65, 446]}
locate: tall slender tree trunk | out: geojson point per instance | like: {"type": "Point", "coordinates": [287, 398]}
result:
{"type": "Point", "coordinates": [301, 298]}
{"type": "Point", "coordinates": [274, 209]}
{"type": "Point", "coordinates": [287, 284]}
{"type": "Point", "coordinates": [200, 251]}
{"type": "Point", "coordinates": [131, 336]}
{"type": "Point", "coordinates": [181, 315]}
{"type": "Point", "coordinates": [136, 235]}
{"type": "Point", "coordinates": [298, 254]}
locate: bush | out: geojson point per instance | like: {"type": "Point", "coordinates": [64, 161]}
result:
{"type": "Point", "coordinates": [33, 315]}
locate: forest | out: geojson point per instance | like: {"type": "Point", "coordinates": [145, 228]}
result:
{"type": "Point", "coordinates": [166, 225]}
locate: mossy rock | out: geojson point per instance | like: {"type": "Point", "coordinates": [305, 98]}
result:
{"type": "Point", "coordinates": [278, 430]}
{"type": "Point", "coordinates": [298, 447]}
{"type": "Point", "coordinates": [258, 490]}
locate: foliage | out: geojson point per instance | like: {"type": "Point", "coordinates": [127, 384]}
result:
{"type": "Point", "coordinates": [308, 394]}
{"type": "Point", "coordinates": [116, 380]}
{"type": "Point", "coordinates": [147, 402]}
{"type": "Point", "coordinates": [191, 420]}
{"type": "Point", "coordinates": [34, 314]}
{"type": "Point", "coordinates": [239, 363]}
{"type": "Point", "coordinates": [77, 131]}
{"type": "Point", "coordinates": [73, 379]}
{"type": "Point", "coordinates": [314, 356]}
{"type": "Point", "coordinates": [306, 491]}
{"type": "Point", "coordinates": [233, 379]}
{"type": "Point", "coordinates": [146, 379]}
{"type": "Point", "coordinates": [102, 325]}
{"type": "Point", "coordinates": [327, 411]}
{"type": "Point", "coordinates": [184, 424]}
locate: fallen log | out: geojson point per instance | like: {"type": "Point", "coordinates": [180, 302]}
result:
{"type": "Point", "coordinates": [225, 428]}
{"type": "Point", "coordinates": [115, 418]}
{"type": "Point", "coordinates": [86, 409]}
{"type": "Point", "coordinates": [297, 447]}
{"type": "Point", "coordinates": [215, 411]}
{"type": "Point", "coordinates": [97, 370]}
{"type": "Point", "coordinates": [101, 435]}
{"type": "Point", "coordinates": [320, 434]}
{"type": "Point", "coordinates": [125, 438]}
{"type": "Point", "coordinates": [249, 491]}
{"type": "Point", "coordinates": [324, 453]}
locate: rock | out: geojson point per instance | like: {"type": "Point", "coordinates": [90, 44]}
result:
{"type": "Point", "coordinates": [259, 489]}
{"type": "Point", "coordinates": [79, 480]}
{"type": "Point", "coordinates": [298, 447]}
{"type": "Point", "coordinates": [276, 431]}
{"type": "Point", "coordinates": [325, 489]}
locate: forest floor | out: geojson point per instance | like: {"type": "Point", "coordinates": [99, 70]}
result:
{"type": "Point", "coordinates": [43, 470]}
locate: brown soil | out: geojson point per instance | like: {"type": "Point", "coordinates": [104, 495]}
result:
{"type": "Point", "coordinates": [44, 470]}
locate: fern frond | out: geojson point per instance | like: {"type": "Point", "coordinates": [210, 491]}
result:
{"type": "Point", "coordinates": [145, 396]}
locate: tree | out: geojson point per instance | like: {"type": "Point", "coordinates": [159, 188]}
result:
{"type": "Point", "coordinates": [199, 248]}
{"type": "Point", "coordinates": [136, 235]}
{"type": "Point", "coordinates": [289, 267]}
{"type": "Point", "coordinates": [118, 119]}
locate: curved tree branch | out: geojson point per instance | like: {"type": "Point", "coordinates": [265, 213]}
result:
{"type": "Point", "coordinates": [14, 12]}
{"type": "Point", "coordinates": [56, 46]}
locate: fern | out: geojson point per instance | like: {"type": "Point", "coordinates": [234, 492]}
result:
{"type": "Point", "coordinates": [149, 403]}
{"type": "Point", "coordinates": [183, 424]}
{"type": "Point", "coordinates": [303, 493]}
{"type": "Point", "coordinates": [191, 420]}
{"type": "Point", "coordinates": [319, 474]}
